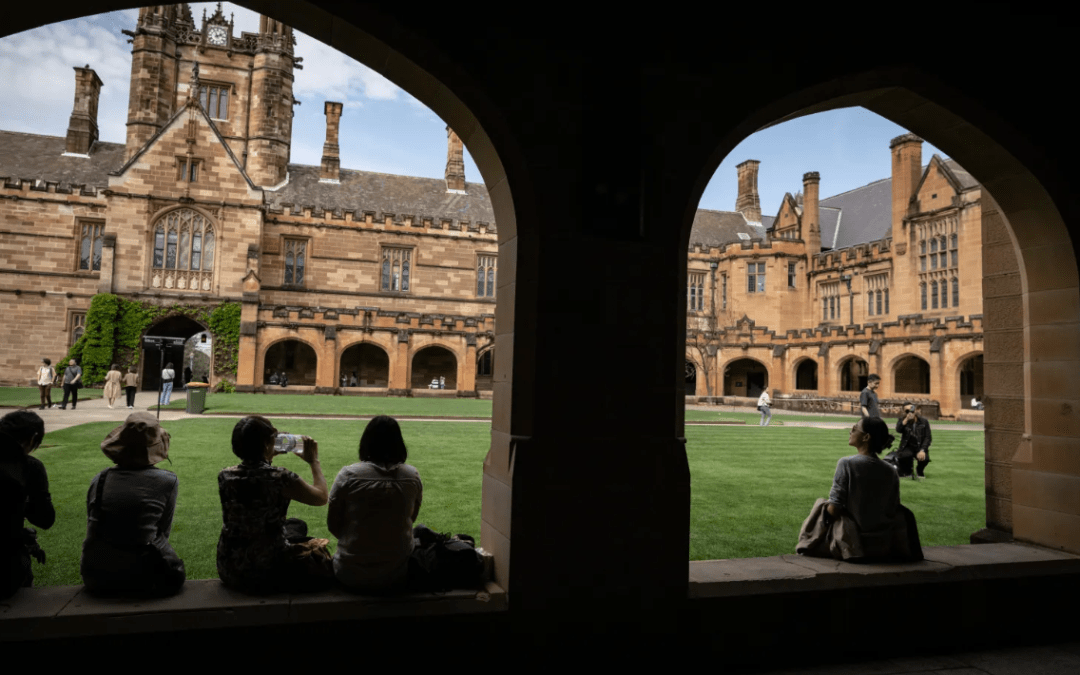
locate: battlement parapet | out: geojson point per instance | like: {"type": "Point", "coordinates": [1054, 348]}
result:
{"type": "Point", "coordinates": [315, 215]}
{"type": "Point", "coordinates": [21, 185]}
{"type": "Point", "coordinates": [775, 247]}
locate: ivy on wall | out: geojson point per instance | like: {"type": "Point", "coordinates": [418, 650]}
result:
{"type": "Point", "coordinates": [115, 327]}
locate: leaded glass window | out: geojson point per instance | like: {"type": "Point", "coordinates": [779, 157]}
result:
{"type": "Point", "coordinates": [183, 251]}
{"type": "Point", "coordinates": [395, 269]}
{"type": "Point", "coordinates": [485, 276]}
{"type": "Point", "coordinates": [215, 100]}
{"type": "Point", "coordinates": [295, 261]}
{"type": "Point", "coordinates": [90, 246]}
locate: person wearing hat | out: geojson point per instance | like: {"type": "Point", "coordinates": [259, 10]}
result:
{"type": "Point", "coordinates": [24, 495]}
{"type": "Point", "coordinates": [129, 511]}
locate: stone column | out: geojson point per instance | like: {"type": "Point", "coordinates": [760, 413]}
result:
{"type": "Point", "coordinates": [399, 366]}
{"type": "Point", "coordinates": [466, 379]}
{"type": "Point", "coordinates": [326, 379]}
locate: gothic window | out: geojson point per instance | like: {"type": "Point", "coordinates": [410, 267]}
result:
{"type": "Point", "coordinates": [933, 294]}
{"type": "Point", "coordinates": [755, 277]}
{"type": "Point", "coordinates": [944, 288]}
{"type": "Point", "coordinates": [922, 289]}
{"type": "Point", "coordinates": [832, 308]}
{"type": "Point", "coordinates": [939, 240]}
{"type": "Point", "coordinates": [944, 254]}
{"type": "Point", "coordinates": [955, 292]}
{"type": "Point", "coordinates": [215, 100]}
{"type": "Point", "coordinates": [830, 300]}
{"type": "Point", "coordinates": [78, 327]}
{"type": "Point", "coordinates": [485, 276]}
{"type": "Point", "coordinates": [954, 251]}
{"type": "Point", "coordinates": [90, 246]}
{"type": "Point", "coordinates": [723, 292]}
{"type": "Point", "coordinates": [696, 291]}
{"type": "Point", "coordinates": [187, 169]}
{"type": "Point", "coordinates": [791, 275]}
{"type": "Point", "coordinates": [870, 304]}
{"type": "Point", "coordinates": [824, 309]}
{"type": "Point", "coordinates": [877, 292]}
{"type": "Point", "coordinates": [395, 269]}
{"type": "Point", "coordinates": [933, 254]}
{"type": "Point", "coordinates": [183, 254]}
{"type": "Point", "coordinates": [886, 301]}
{"type": "Point", "coordinates": [295, 261]}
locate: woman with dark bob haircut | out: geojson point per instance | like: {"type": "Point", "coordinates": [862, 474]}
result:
{"type": "Point", "coordinates": [866, 494]}
{"type": "Point", "coordinates": [373, 505]}
{"type": "Point", "coordinates": [260, 550]}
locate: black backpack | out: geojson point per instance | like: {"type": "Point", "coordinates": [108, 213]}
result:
{"type": "Point", "coordinates": [441, 562]}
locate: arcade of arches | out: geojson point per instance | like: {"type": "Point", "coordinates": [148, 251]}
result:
{"type": "Point", "coordinates": [641, 218]}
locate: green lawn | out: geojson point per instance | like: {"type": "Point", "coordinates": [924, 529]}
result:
{"type": "Point", "coordinates": [29, 396]}
{"type": "Point", "coordinates": [312, 404]}
{"type": "Point", "coordinates": [751, 487]}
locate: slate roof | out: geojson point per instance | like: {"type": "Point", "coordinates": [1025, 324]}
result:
{"type": "Point", "coordinates": [865, 214]}
{"type": "Point", "coordinates": [32, 156]}
{"type": "Point", "coordinates": [713, 228]}
{"type": "Point", "coordinates": [383, 193]}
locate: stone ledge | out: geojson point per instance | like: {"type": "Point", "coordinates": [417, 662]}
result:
{"type": "Point", "coordinates": [796, 573]}
{"type": "Point", "coordinates": [68, 611]}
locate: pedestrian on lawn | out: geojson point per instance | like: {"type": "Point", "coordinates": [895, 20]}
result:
{"type": "Point", "coordinates": [131, 382]}
{"type": "Point", "coordinates": [112, 385]}
{"type": "Point", "coordinates": [868, 401]}
{"type": "Point", "coordinates": [167, 377]}
{"type": "Point", "coordinates": [72, 382]}
{"type": "Point", "coordinates": [46, 374]}
{"type": "Point", "coordinates": [764, 406]}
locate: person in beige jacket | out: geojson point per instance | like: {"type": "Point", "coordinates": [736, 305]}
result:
{"type": "Point", "coordinates": [131, 383]}
{"type": "Point", "coordinates": [112, 384]}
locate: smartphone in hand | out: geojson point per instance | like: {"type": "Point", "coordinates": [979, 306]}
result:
{"type": "Point", "coordinates": [284, 443]}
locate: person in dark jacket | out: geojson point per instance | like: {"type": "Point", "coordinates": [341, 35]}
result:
{"type": "Point", "coordinates": [915, 439]}
{"type": "Point", "coordinates": [129, 511]}
{"type": "Point", "coordinates": [24, 495]}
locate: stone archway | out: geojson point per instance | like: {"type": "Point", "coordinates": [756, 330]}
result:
{"type": "Point", "coordinates": [911, 375]}
{"type": "Point", "coordinates": [431, 364]}
{"type": "Point", "coordinates": [364, 365]}
{"type": "Point", "coordinates": [745, 377]}
{"type": "Point", "coordinates": [970, 378]}
{"type": "Point", "coordinates": [806, 375]}
{"type": "Point", "coordinates": [177, 325]}
{"type": "Point", "coordinates": [295, 358]}
{"type": "Point", "coordinates": [853, 374]}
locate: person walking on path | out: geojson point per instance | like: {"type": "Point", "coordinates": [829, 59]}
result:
{"type": "Point", "coordinates": [167, 377]}
{"type": "Point", "coordinates": [915, 439]}
{"type": "Point", "coordinates": [131, 382]}
{"type": "Point", "coordinates": [46, 375]}
{"type": "Point", "coordinates": [764, 406]}
{"type": "Point", "coordinates": [868, 403]}
{"type": "Point", "coordinates": [112, 385]}
{"type": "Point", "coordinates": [72, 382]}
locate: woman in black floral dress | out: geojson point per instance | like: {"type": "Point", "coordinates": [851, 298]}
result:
{"type": "Point", "coordinates": [261, 550]}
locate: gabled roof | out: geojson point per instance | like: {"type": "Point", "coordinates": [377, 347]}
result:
{"type": "Point", "coordinates": [194, 104]}
{"type": "Point", "coordinates": [32, 156]}
{"type": "Point", "coordinates": [383, 193]}
{"type": "Point", "coordinates": [713, 228]}
{"type": "Point", "coordinates": [866, 215]}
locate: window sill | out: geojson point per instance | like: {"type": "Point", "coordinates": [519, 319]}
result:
{"type": "Point", "coordinates": [68, 611]}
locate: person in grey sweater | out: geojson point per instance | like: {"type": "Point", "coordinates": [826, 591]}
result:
{"type": "Point", "coordinates": [867, 490]}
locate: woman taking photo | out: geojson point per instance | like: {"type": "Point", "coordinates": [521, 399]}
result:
{"type": "Point", "coordinates": [261, 550]}
{"type": "Point", "coordinates": [129, 511]}
{"type": "Point", "coordinates": [373, 506]}
{"type": "Point", "coordinates": [864, 504]}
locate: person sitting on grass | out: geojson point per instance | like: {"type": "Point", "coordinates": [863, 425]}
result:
{"type": "Point", "coordinates": [129, 511]}
{"type": "Point", "coordinates": [261, 550]}
{"type": "Point", "coordinates": [373, 506]}
{"type": "Point", "coordinates": [24, 494]}
{"type": "Point", "coordinates": [863, 520]}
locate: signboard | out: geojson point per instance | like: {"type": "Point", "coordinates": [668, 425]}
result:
{"type": "Point", "coordinates": [163, 341]}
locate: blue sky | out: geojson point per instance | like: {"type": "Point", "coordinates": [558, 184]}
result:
{"type": "Point", "coordinates": [385, 129]}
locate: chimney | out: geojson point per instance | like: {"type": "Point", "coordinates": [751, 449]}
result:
{"type": "Point", "coordinates": [331, 162]}
{"type": "Point", "coordinates": [811, 215]}
{"type": "Point", "coordinates": [748, 203]}
{"type": "Point", "coordinates": [906, 171]}
{"type": "Point", "coordinates": [455, 162]}
{"type": "Point", "coordinates": [82, 128]}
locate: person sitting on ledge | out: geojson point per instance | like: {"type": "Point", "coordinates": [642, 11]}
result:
{"type": "Point", "coordinates": [863, 519]}
{"type": "Point", "coordinates": [129, 511]}
{"type": "Point", "coordinates": [24, 494]}
{"type": "Point", "coordinates": [373, 506]}
{"type": "Point", "coordinates": [261, 550]}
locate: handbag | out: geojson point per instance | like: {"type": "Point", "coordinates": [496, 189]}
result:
{"type": "Point", "coordinates": [441, 562]}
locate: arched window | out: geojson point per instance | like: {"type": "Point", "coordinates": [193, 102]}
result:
{"type": "Point", "coordinates": [922, 289]}
{"type": "Point", "coordinates": [944, 294]}
{"type": "Point", "coordinates": [933, 294]}
{"type": "Point", "coordinates": [886, 301]}
{"type": "Point", "coordinates": [955, 292]}
{"type": "Point", "coordinates": [395, 268]}
{"type": "Point", "coordinates": [184, 246]}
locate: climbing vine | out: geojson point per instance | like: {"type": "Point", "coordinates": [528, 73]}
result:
{"type": "Point", "coordinates": [115, 327]}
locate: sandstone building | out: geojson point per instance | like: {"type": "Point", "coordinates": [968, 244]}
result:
{"type": "Point", "coordinates": [370, 283]}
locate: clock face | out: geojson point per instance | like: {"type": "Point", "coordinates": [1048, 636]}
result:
{"type": "Point", "coordinates": [215, 35]}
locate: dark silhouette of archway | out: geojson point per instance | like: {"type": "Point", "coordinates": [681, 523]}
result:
{"type": "Point", "coordinates": [367, 363]}
{"type": "Point", "coordinates": [911, 375]}
{"type": "Point", "coordinates": [432, 363]}
{"type": "Point", "coordinates": [177, 325]}
{"type": "Point", "coordinates": [296, 359]}
{"type": "Point", "coordinates": [806, 375]}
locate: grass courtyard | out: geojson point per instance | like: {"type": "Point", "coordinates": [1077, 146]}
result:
{"type": "Point", "coordinates": [751, 487]}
